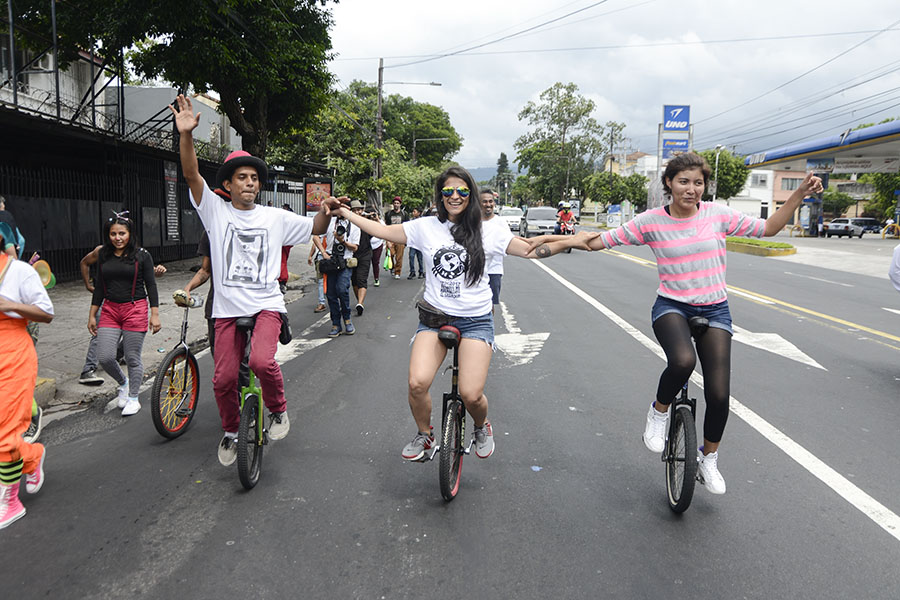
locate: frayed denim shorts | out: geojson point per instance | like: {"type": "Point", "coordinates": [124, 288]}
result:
{"type": "Point", "coordinates": [470, 328]}
{"type": "Point", "coordinates": [719, 315]}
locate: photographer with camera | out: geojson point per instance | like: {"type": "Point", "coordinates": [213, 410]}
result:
{"type": "Point", "coordinates": [341, 241]}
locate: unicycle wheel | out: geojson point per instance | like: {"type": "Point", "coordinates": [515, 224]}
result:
{"type": "Point", "coordinates": [250, 447]}
{"type": "Point", "coordinates": [176, 388]}
{"type": "Point", "coordinates": [681, 460]}
{"type": "Point", "coordinates": [451, 449]}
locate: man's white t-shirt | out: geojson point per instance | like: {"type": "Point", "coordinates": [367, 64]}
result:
{"type": "Point", "coordinates": [245, 248]}
{"type": "Point", "coordinates": [495, 265]}
{"type": "Point", "coordinates": [352, 236]}
{"type": "Point", "coordinates": [446, 263]}
{"type": "Point", "coordinates": [894, 270]}
{"type": "Point", "coordinates": [22, 284]}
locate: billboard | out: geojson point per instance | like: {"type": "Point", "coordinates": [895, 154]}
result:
{"type": "Point", "coordinates": [315, 191]}
{"type": "Point", "coordinates": [676, 117]}
{"type": "Point", "coordinates": [672, 148]}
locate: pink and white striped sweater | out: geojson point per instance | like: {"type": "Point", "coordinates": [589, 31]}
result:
{"type": "Point", "coordinates": [690, 253]}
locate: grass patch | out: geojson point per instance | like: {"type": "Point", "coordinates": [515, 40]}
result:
{"type": "Point", "coordinates": [757, 242]}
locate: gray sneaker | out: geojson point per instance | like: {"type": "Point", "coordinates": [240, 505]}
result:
{"type": "Point", "coordinates": [90, 378]}
{"type": "Point", "coordinates": [415, 450]}
{"type": "Point", "coordinates": [33, 432]}
{"type": "Point", "coordinates": [279, 425]}
{"type": "Point", "coordinates": [228, 450]}
{"type": "Point", "coordinates": [484, 440]}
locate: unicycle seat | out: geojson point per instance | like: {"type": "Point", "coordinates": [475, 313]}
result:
{"type": "Point", "coordinates": [245, 323]}
{"type": "Point", "coordinates": [698, 326]}
{"type": "Point", "coordinates": [449, 335]}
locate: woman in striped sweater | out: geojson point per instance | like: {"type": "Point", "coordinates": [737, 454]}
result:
{"type": "Point", "coordinates": [688, 238]}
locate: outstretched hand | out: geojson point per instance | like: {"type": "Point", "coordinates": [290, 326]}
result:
{"type": "Point", "coordinates": [811, 185]}
{"type": "Point", "coordinates": [583, 239]}
{"type": "Point", "coordinates": [333, 205]}
{"type": "Point", "coordinates": [185, 119]}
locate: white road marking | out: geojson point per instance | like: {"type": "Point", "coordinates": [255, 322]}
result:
{"type": "Point", "coordinates": [772, 342]}
{"type": "Point", "coordinates": [749, 296]}
{"type": "Point", "coordinates": [877, 512]}
{"type": "Point", "coordinates": [819, 279]}
{"type": "Point", "coordinates": [893, 310]}
{"type": "Point", "coordinates": [520, 348]}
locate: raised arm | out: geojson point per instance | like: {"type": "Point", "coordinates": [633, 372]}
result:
{"type": "Point", "coordinates": [186, 121]}
{"type": "Point", "coordinates": [389, 233]}
{"type": "Point", "coordinates": [811, 185]}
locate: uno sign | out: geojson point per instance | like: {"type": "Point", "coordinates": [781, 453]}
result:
{"type": "Point", "coordinates": [676, 117]}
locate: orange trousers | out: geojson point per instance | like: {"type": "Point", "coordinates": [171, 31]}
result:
{"type": "Point", "coordinates": [18, 374]}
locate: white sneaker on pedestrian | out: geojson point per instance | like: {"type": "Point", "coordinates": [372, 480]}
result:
{"type": "Point", "coordinates": [122, 398]}
{"type": "Point", "coordinates": [279, 425]}
{"type": "Point", "coordinates": [228, 449]}
{"type": "Point", "coordinates": [132, 405]}
{"type": "Point", "coordinates": [708, 473]}
{"type": "Point", "coordinates": [655, 430]}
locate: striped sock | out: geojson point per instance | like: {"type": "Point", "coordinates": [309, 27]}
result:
{"type": "Point", "coordinates": [34, 407]}
{"type": "Point", "coordinates": [10, 472]}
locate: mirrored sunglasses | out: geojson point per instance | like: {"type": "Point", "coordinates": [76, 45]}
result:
{"type": "Point", "coordinates": [448, 191]}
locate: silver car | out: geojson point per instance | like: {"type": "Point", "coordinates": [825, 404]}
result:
{"type": "Point", "coordinates": [512, 216]}
{"type": "Point", "coordinates": [538, 220]}
{"type": "Point", "coordinates": [842, 227]}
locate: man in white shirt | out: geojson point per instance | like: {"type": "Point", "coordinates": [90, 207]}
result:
{"type": "Point", "coordinates": [245, 246]}
{"type": "Point", "coordinates": [894, 270]}
{"type": "Point", "coordinates": [494, 267]}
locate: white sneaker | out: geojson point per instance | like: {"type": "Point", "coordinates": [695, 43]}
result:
{"type": "Point", "coordinates": [279, 425]}
{"type": "Point", "coordinates": [655, 430]}
{"type": "Point", "coordinates": [708, 473]}
{"type": "Point", "coordinates": [132, 405]}
{"type": "Point", "coordinates": [122, 398]}
{"type": "Point", "coordinates": [228, 449]}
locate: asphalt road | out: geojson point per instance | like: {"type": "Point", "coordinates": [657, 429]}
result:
{"type": "Point", "coordinates": [571, 505]}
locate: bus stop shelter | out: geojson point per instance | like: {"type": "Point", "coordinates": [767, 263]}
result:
{"type": "Point", "coordinates": [873, 149]}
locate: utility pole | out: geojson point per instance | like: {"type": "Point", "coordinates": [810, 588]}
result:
{"type": "Point", "coordinates": [612, 133]}
{"type": "Point", "coordinates": [379, 132]}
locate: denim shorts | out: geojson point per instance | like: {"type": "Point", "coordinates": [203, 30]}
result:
{"type": "Point", "coordinates": [470, 328]}
{"type": "Point", "coordinates": [718, 314]}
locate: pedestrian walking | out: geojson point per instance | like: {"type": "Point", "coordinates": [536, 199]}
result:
{"type": "Point", "coordinates": [415, 255]}
{"type": "Point", "coordinates": [315, 255]}
{"type": "Point", "coordinates": [396, 216]}
{"type": "Point", "coordinates": [341, 240]}
{"type": "Point", "coordinates": [363, 255]}
{"type": "Point", "coordinates": [22, 298]}
{"type": "Point", "coordinates": [377, 247]}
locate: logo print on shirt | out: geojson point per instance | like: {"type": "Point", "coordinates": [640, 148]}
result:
{"type": "Point", "coordinates": [450, 263]}
{"type": "Point", "coordinates": [245, 257]}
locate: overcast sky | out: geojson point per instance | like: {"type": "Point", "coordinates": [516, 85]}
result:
{"type": "Point", "coordinates": [631, 57]}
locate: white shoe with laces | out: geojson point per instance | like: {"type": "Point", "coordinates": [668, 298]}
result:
{"type": "Point", "coordinates": [122, 398]}
{"type": "Point", "coordinates": [132, 406]}
{"type": "Point", "coordinates": [655, 430]}
{"type": "Point", "coordinates": [708, 472]}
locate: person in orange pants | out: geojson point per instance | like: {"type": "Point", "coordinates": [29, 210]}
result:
{"type": "Point", "coordinates": [22, 298]}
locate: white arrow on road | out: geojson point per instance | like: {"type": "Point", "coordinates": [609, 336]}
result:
{"type": "Point", "coordinates": [301, 344]}
{"type": "Point", "coordinates": [772, 342]}
{"type": "Point", "coordinates": [520, 348]}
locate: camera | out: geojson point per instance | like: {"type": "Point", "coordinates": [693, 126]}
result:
{"type": "Point", "coordinates": [340, 230]}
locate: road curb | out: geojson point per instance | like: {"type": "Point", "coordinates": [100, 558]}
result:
{"type": "Point", "coordinates": [758, 250]}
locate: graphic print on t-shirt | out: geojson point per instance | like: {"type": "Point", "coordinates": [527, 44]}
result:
{"type": "Point", "coordinates": [450, 263]}
{"type": "Point", "coordinates": [245, 257]}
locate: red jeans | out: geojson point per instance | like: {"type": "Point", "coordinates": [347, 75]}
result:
{"type": "Point", "coordinates": [229, 352]}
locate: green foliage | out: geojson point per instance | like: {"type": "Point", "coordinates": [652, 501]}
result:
{"type": "Point", "coordinates": [265, 60]}
{"type": "Point", "coordinates": [406, 120]}
{"type": "Point", "coordinates": [563, 144]}
{"type": "Point", "coordinates": [836, 202]}
{"type": "Point", "coordinates": [864, 125]}
{"type": "Point", "coordinates": [636, 191]}
{"type": "Point", "coordinates": [883, 201]}
{"type": "Point", "coordinates": [502, 165]}
{"type": "Point", "coordinates": [732, 173]}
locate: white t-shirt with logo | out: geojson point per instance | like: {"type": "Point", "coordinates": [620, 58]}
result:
{"type": "Point", "coordinates": [495, 265]}
{"type": "Point", "coordinates": [22, 285]}
{"type": "Point", "coordinates": [352, 236]}
{"type": "Point", "coordinates": [446, 263]}
{"type": "Point", "coordinates": [245, 248]}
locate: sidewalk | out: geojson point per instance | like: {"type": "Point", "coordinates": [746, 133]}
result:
{"type": "Point", "coordinates": [62, 344]}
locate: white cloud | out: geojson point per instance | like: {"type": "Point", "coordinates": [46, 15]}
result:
{"type": "Point", "coordinates": [483, 93]}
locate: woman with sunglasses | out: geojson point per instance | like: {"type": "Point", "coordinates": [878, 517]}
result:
{"type": "Point", "coordinates": [456, 247]}
{"type": "Point", "coordinates": [125, 285]}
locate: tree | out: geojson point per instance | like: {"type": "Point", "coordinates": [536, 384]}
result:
{"type": "Point", "coordinates": [636, 191]}
{"type": "Point", "coordinates": [563, 144]}
{"type": "Point", "coordinates": [732, 174]}
{"type": "Point", "coordinates": [836, 202]}
{"type": "Point", "coordinates": [406, 120]}
{"type": "Point", "coordinates": [265, 60]}
{"type": "Point", "coordinates": [883, 202]}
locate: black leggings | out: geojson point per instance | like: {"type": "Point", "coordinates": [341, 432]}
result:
{"type": "Point", "coordinates": [714, 349]}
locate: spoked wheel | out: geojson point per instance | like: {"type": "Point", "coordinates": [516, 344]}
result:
{"type": "Point", "coordinates": [681, 462]}
{"type": "Point", "coordinates": [451, 449]}
{"type": "Point", "coordinates": [175, 391]}
{"type": "Point", "coordinates": [250, 448]}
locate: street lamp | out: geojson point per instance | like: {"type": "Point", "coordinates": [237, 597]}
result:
{"type": "Point", "coordinates": [716, 176]}
{"type": "Point", "coordinates": [424, 140]}
{"type": "Point", "coordinates": [379, 121]}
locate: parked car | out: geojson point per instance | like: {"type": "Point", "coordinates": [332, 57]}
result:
{"type": "Point", "coordinates": [538, 220]}
{"type": "Point", "coordinates": [868, 224]}
{"type": "Point", "coordinates": [512, 215]}
{"type": "Point", "coordinates": [842, 227]}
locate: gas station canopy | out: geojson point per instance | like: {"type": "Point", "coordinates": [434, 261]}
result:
{"type": "Point", "coordinates": [873, 149]}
